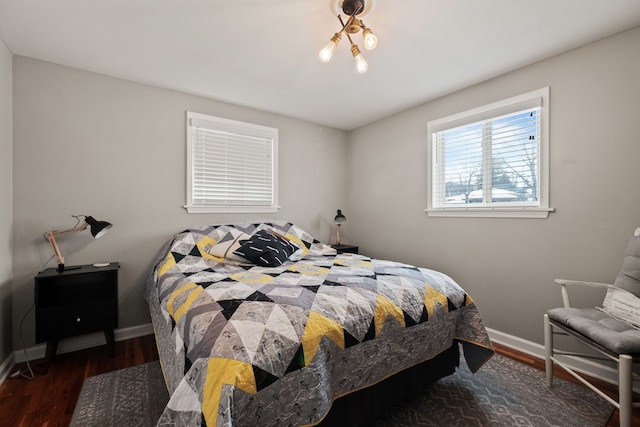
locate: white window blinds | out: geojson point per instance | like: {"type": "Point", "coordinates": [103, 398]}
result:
{"type": "Point", "coordinates": [232, 166]}
{"type": "Point", "coordinates": [491, 159]}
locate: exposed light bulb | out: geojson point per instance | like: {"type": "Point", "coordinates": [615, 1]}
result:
{"type": "Point", "coordinates": [370, 39]}
{"type": "Point", "coordinates": [327, 52]}
{"type": "Point", "coordinates": [361, 64]}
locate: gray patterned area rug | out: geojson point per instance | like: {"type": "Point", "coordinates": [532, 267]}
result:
{"type": "Point", "coordinates": [503, 393]}
{"type": "Point", "coordinates": [129, 397]}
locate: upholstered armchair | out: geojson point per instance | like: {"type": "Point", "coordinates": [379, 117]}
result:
{"type": "Point", "coordinates": [611, 330]}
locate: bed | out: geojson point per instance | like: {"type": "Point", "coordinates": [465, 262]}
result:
{"type": "Point", "coordinates": [260, 324]}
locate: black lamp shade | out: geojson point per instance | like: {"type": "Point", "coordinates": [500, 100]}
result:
{"type": "Point", "coordinates": [98, 228]}
{"type": "Point", "coordinates": [339, 217]}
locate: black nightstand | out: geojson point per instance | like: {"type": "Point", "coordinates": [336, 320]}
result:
{"type": "Point", "coordinates": [76, 302]}
{"type": "Point", "coordinates": [345, 249]}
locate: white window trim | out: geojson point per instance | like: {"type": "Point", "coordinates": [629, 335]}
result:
{"type": "Point", "coordinates": [241, 127]}
{"type": "Point", "coordinates": [493, 110]}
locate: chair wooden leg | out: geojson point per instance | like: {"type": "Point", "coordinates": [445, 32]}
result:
{"type": "Point", "coordinates": [625, 389]}
{"type": "Point", "coordinates": [548, 350]}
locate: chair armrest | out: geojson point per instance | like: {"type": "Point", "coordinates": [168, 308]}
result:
{"type": "Point", "coordinates": [565, 293]}
{"type": "Point", "coordinates": [581, 283]}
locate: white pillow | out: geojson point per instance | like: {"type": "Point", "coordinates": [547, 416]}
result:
{"type": "Point", "coordinates": [227, 244]}
{"type": "Point", "coordinates": [622, 305]}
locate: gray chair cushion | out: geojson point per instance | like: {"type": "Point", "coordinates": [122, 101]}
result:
{"type": "Point", "coordinates": [613, 334]}
{"type": "Point", "coordinates": [629, 276]}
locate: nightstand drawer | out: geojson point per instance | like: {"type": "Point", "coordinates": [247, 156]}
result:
{"type": "Point", "coordinates": [70, 320]}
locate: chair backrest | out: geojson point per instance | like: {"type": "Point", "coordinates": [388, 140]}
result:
{"type": "Point", "coordinates": [629, 276]}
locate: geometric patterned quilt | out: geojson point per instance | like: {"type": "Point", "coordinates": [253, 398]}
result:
{"type": "Point", "coordinates": [242, 344]}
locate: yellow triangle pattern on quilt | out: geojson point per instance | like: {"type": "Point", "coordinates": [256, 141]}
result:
{"type": "Point", "coordinates": [353, 262]}
{"type": "Point", "coordinates": [169, 262]}
{"type": "Point", "coordinates": [433, 296]}
{"type": "Point", "coordinates": [298, 243]}
{"type": "Point", "coordinates": [385, 307]}
{"type": "Point", "coordinates": [308, 269]}
{"type": "Point", "coordinates": [203, 245]}
{"type": "Point", "coordinates": [222, 371]}
{"type": "Point", "coordinates": [252, 278]}
{"type": "Point", "coordinates": [180, 311]}
{"type": "Point", "coordinates": [317, 327]}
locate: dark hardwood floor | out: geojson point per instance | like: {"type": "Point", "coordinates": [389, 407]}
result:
{"type": "Point", "coordinates": [49, 399]}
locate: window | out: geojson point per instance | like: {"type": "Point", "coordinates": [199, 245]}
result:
{"type": "Point", "coordinates": [492, 161]}
{"type": "Point", "coordinates": [231, 166]}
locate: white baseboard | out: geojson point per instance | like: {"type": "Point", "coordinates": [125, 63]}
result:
{"type": "Point", "coordinates": [82, 342]}
{"type": "Point", "coordinates": [588, 367]}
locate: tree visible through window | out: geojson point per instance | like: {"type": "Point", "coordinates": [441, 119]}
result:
{"type": "Point", "coordinates": [491, 161]}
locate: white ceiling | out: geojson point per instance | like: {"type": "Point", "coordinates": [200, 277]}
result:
{"type": "Point", "coordinates": [264, 53]}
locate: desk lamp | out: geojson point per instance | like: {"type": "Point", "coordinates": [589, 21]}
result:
{"type": "Point", "coordinates": [97, 228]}
{"type": "Point", "coordinates": [339, 219]}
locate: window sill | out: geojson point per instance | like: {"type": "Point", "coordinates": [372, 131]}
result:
{"type": "Point", "coordinates": [231, 209]}
{"type": "Point", "coordinates": [490, 212]}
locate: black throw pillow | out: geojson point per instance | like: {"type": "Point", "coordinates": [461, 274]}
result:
{"type": "Point", "coordinates": [266, 249]}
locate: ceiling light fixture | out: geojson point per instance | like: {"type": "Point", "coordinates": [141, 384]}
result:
{"type": "Point", "coordinates": [354, 10]}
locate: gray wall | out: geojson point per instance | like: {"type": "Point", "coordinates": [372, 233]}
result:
{"type": "Point", "coordinates": [508, 265]}
{"type": "Point", "coordinates": [6, 204]}
{"type": "Point", "coordinates": [85, 143]}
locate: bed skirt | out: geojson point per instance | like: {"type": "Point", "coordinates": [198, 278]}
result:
{"type": "Point", "coordinates": [364, 407]}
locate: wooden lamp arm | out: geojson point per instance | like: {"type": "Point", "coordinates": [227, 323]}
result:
{"type": "Point", "coordinates": [51, 237]}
